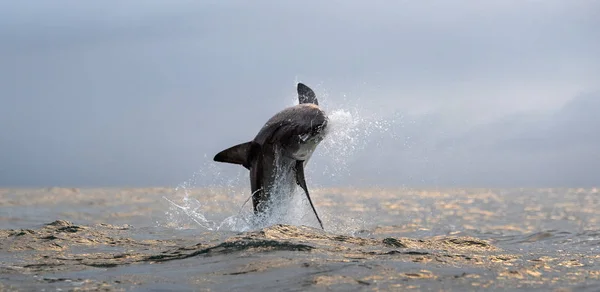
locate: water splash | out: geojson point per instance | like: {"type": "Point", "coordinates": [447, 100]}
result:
{"type": "Point", "coordinates": [288, 205]}
{"type": "Point", "coordinates": [349, 133]}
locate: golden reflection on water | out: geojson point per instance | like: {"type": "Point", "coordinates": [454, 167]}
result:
{"type": "Point", "coordinates": [434, 238]}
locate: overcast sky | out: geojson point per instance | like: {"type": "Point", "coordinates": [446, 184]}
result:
{"type": "Point", "coordinates": [144, 93]}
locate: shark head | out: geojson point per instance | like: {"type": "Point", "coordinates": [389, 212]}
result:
{"type": "Point", "coordinates": [312, 132]}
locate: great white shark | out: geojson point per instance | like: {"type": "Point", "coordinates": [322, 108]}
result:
{"type": "Point", "coordinates": [276, 157]}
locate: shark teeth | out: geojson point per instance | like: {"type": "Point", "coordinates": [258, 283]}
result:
{"type": "Point", "coordinates": [304, 137]}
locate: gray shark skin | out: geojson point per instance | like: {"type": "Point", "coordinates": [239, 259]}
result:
{"type": "Point", "coordinates": [276, 157]}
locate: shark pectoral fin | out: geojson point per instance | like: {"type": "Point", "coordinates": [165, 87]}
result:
{"type": "Point", "coordinates": [302, 182]}
{"type": "Point", "coordinates": [238, 154]}
{"type": "Point", "coordinates": [259, 201]}
{"type": "Point", "coordinates": [306, 95]}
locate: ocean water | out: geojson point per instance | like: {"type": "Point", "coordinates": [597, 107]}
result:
{"type": "Point", "coordinates": [374, 239]}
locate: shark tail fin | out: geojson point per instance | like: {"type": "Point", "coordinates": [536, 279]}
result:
{"type": "Point", "coordinates": [238, 154]}
{"type": "Point", "coordinates": [306, 95]}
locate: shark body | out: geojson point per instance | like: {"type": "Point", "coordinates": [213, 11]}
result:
{"type": "Point", "coordinates": [276, 157]}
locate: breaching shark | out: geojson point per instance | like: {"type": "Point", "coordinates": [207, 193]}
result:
{"type": "Point", "coordinates": [278, 154]}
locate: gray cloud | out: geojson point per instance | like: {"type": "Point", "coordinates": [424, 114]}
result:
{"type": "Point", "coordinates": [136, 93]}
{"type": "Point", "coordinates": [557, 149]}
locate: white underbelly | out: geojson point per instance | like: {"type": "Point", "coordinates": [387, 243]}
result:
{"type": "Point", "coordinates": [305, 150]}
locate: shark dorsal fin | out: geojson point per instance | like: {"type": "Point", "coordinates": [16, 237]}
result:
{"type": "Point", "coordinates": [238, 154]}
{"type": "Point", "coordinates": [306, 95]}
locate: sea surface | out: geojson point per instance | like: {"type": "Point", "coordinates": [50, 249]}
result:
{"type": "Point", "coordinates": [391, 239]}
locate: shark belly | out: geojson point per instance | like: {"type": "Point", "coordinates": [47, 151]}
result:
{"type": "Point", "coordinates": [305, 151]}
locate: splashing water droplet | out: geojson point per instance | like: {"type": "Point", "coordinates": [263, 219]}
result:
{"type": "Point", "coordinates": [349, 133]}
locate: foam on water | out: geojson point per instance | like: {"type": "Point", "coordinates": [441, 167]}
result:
{"type": "Point", "coordinates": [288, 206]}
{"type": "Point", "coordinates": [348, 133]}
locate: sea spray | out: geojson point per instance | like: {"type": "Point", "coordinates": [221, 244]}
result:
{"type": "Point", "coordinates": [349, 133]}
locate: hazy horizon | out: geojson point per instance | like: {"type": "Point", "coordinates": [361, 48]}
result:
{"type": "Point", "coordinates": [144, 93]}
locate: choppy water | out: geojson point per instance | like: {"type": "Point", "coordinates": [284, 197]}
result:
{"type": "Point", "coordinates": [375, 239]}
